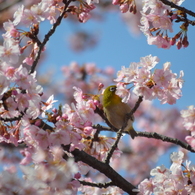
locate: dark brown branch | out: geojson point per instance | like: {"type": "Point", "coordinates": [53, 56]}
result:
{"type": "Point", "coordinates": [173, 5]}
{"type": "Point", "coordinates": [11, 119]}
{"type": "Point", "coordinates": [180, 19]}
{"type": "Point", "coordinates": [102, 128]}
{"type": "Point", "coordinates": [156, 136]}
{"type": "Point", "coordinates": [137, 104]}
{"type": "Point", "coordinates": [166, 139]}
{"type": "Point", "coordinates": [48, 35]}
{"type": "Point", "coordinates": [98, 185]}
{"type": "Point", "coordinates": [104, 168]}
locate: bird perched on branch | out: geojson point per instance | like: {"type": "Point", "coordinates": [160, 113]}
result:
{"type": "Point", "coordinates": [116, 111]}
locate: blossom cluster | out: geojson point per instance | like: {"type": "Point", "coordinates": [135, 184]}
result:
{"type": "Point", "coordinates": [155, 17]}
{"type": "Point", "coordinates": [160, 17]}
{"type": "Point", "coordinates": [156, 20]}
{"type": "Point", "coordinates": [126, 6]}
{"type": "Point", "coordinates": [179, 179]}
{"type": "Point", "coordinates": [20, 98]}
{"type": "Point", "coordinates": [162, 84]}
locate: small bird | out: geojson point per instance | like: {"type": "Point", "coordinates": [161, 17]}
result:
{"type": "Point", "coordinates": [116, 110]}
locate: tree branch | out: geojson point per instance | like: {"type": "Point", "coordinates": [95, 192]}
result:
{"type": "Point", "coordinates": [102, 128]}
{"type": "Point", "coordinates": [156, 136]}
{"type": "Point", "coordinates": [137, 104]}
{"type": "Point", "coordinates": [104, 168]}
{"type": "Point", "coordinates": [98, 185]}
{"type": "Point", "coordinates": [166, 139]}
{"type": "Point", "coordinates": [48, 35]}
{"type": "Point", "coordinates": [114, 146]}
{"type": "Point", "coordinates": [173, 5]}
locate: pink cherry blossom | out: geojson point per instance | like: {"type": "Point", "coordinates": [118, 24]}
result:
{"type": "Point", "coordinates": [28, 18]}
{"type": "Point", "coordinates": [9, 113]}
{"type": "Point", "coordinates": [10, 51]}
{"type": "Point", "coordinates": [28, 60]}
{"type": "Point", "coordinates": [124, 7]}
{"type": "Point", "coordinates": [84, 16]}
{"type": "Point", "coordinates": [161, 84]}
{"type": "Point", "coordinates": [159, 21]}
{"type": "Point", "coordinates": [155, 6]}
{"type": "Point", "coordinates": [148, 62]}
{"type": "Point", "coordinates": [22, 101]}
{"type": "Point", "coordinates": [11, 104]}
{"type": "Point", "coordinates": [27, 153]}
{"type": "Point", "coordinates": [189, 116]}
{"type": "Point", "coordinates": [168, 180]}
{"type": "Point", "coordinates": [159, 41]}
{"type": "Point", "coordinates": [33, 110]}
{"type": "Point", "coordinates": [10, 72]}
{"type": "Point", "coordinates": [190, 140]}
{"type": "Point", "coordinates": [123, 92]}
{"type": "Point", "coordinates": [145, 187]}
{"type": "Point", "coordinates": [12, 32]}
{"type": "Point", "coordinates": [177, 157]}
{"type": "Point", "coordinates": [177, 2]}
{"type": "Point", "coordinates": [92, 1]}
{"type": "Point", "coordinates": [3, 83]}
{"type": "Point", "coordinates": [59, 137]}
{"type": "Point", "coordinates": [40, 11]}
{"type": "Point", "coordinates": [127, 74]}
{"type": "Point", "coordinates": [18, 15]}
{"type": "Point", "coordinates": [162, 77]}
{"type": "Point", "coordinates": [48, 104]}
{"type": "Point", "coordinates": [22, 78]}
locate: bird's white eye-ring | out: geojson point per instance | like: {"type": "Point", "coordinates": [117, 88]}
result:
{"type": "Point", "coordinates": [113, 88]}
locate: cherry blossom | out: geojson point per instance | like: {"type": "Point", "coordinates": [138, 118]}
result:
{"type": "Point", "coordinates": [10, 51]}
{"type": "Point", "coordinates": [168, 181]}
{"type": "Point", "coordinates": [162, 84]}
{"type": "Point", "coordinates": [188, 116]}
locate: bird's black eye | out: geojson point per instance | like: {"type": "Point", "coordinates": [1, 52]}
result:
{"type": "Point", "coordinates": [113, 88]}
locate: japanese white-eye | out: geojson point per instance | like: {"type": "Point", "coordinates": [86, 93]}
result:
{"type": "Point", "coordinates": [116, 110]}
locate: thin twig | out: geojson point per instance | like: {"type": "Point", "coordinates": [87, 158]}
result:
{"type": "Point", "coordinates": [102, 128]}
{"type": "Point", "coordinates": [114, 146]}
{"type": "Point", "coordinates": [166, 139]}
{"type": "Point", "coordinates": [173, 5]}
{"type": "Point", "coordinates": [155, 136]}
{"type": "Point", "coordinates": [137, 104]}
{"type": "Point", "coordinates": [48, 35]}
{"type": "Point", "coordinates": [11, 119]}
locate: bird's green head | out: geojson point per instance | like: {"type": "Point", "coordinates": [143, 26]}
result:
{"type": "Point", "coordinates": [109, 96]}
